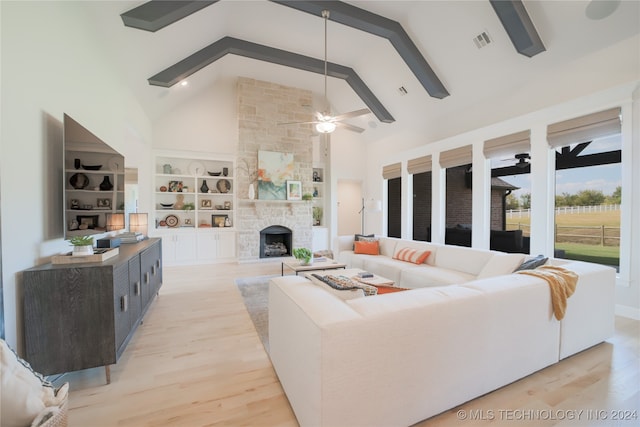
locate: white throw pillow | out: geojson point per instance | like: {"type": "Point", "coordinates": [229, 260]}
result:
{"type": "Point", "coordinates": [25, 393]}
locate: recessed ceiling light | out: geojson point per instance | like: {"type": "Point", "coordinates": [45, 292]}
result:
{"type": "Point", "coordinates": [184, 83]}
{"type": "Point", "coordinates": [600, 9]}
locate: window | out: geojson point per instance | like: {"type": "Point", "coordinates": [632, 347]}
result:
{"type": "Point", "coordinates": [422, 206]}
{"type": "Point", "coordinates": [392, 173]}
{"type": "Point", "coordinates": [458, 194]}
{"type": "Point", "coordinates": [420, 168]}
{"type": "Point", "coordinates": [394, 207]}
{"type": "Point", "coordinates": [588, 187]}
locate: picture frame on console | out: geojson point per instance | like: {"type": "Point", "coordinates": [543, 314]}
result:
{"type": "Point", "coordinates": [294, 190]}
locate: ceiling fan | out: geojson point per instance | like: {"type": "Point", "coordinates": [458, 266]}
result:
{"type": "Point", "coordinates": [324, 121]}
{"type": "Point", "coordinates": [522, 160]}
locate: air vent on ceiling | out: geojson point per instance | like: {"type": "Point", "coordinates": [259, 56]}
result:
{"type": "Point", "coordinates": [482, 39]}
{"type": "Point", "coordinates": [402, 90]}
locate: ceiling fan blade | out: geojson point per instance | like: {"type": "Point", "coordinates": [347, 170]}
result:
{"type": "Point", "coordinates": [298, 123]}
{"type": "Point", "coordinates": [349, 127]}
{"type": "Point", "coordinates": [352, 114]}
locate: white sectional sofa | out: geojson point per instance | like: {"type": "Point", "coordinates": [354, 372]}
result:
{"type": "Point", "coordinates": [399, 358]}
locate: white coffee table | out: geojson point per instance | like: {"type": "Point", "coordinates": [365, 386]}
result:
{"type": "Point", "coordinates": [297, 267]}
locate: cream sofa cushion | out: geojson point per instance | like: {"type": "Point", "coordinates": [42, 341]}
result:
{"type": "Point", "coordinates": [460, 258]}
{"type": "Point", "coordinates": [427, 276]}
{"type": "Point", "coordinates": [501, 264]}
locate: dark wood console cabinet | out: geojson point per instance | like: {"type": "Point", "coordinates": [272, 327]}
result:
{"type": "Point", "coordinates": [79, 316]}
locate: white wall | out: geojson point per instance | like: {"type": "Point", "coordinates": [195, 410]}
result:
{"type": "Point", "coordinates": [51, 64]}
{"type": "Point", "coordinates": [208, 122]}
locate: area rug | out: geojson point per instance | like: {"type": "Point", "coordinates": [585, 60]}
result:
{"type": "Point", "coordinates": [255, 293]}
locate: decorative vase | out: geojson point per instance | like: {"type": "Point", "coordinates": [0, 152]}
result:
{"type": "Point", "coordinates": [205, 187]}
{"type": "Point", "coordinates": [76, 163]}
{"type": "Point", "coordinates": [252, 192]}
{"type": "Point", "coordinates": [106, 185]}
{"type": "Point", "coordinates": [306, 261]}
{"type": "Point", "coordinates": [166, 168]}
{"type": "Point", "coordinates": [82, 250]}
{"type": "Point", "coordinates": [225, 171]}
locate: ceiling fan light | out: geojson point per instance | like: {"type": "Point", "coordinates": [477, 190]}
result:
{"type": "Point", "coordinates": [325, 127]}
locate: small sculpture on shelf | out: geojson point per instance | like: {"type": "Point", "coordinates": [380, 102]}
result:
{"type": "Point", "coordinates": [179, 204]}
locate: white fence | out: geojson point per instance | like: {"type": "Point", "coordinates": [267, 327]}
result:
{"type": "Point", "coordinates": [564, 210]}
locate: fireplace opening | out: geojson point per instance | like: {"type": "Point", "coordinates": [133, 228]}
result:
{"type": "Point", "coordinates": [275, 241]}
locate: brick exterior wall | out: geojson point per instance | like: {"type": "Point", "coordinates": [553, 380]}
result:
{"type": "Point", "coordinates": [459, 201]}
{"type": "Point", "coordinates": [261, 106]}
{"type": "Point", "coordinates": [458, 198]}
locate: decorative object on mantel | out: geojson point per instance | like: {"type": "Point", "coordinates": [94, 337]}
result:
{"type": "Point", "coordinates": [252, 192]}
{"type": "Point", "coordinates": [252, 176]}
{"type": "Point", "coordinates": [294, 190]}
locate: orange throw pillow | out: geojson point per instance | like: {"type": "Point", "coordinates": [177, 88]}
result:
{"type": "Point", "coordinates": [367, 248]}
{"type": "Point", "coordinates": [411, 255]}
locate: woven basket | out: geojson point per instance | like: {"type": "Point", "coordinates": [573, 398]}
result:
{"type": "Point", "coordinates": [59, 419]}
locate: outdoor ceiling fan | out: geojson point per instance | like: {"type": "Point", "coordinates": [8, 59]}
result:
{"type": "Point", "coordinates": [324, 121]}
{"type": "Point", "coordinates": [522, 160]}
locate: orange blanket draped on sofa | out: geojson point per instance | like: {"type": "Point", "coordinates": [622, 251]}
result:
{"type": "Point", "coordinates": [562, 283]}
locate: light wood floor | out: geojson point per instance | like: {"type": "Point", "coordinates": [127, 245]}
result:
{"type": "Point", "coordinates": [197, 361]}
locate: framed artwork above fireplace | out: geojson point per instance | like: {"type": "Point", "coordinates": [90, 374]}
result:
{"type": "Point", "coordinates": [274, 170]}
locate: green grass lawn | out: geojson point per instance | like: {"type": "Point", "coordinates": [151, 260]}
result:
{"type": "Point", "coordinates": [607, 255]}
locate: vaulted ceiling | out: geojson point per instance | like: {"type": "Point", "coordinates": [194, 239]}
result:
{"type": "Point", "coordinates": [481, 85]}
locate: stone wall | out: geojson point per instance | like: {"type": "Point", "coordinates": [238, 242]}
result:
{"type": "Point", "coordinates": [261, 106]}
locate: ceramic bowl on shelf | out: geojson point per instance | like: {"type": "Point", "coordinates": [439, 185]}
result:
{"type": "Point", "coordinates": [214, 173]}
{"type": "Point", "coordinates": [92, 167]}
{"type": "Point", "coordinates": [166, 205]}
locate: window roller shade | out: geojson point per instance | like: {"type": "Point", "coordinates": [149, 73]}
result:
{"type": "Point", "coordinates": [392, 171]}
{"type": "Point", "coordinates": [456, 157]}
{"type": "Point", "coordinates": [419, 165]}
{"type": "Point", "coordinates": [585, 128]}
{"type": "Point", "coordinates": [515, 143]}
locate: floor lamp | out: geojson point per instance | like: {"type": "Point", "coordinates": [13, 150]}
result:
{"type": "Point", "coordinates": [371, 205]}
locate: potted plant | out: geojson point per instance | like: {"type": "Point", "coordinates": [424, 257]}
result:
{"type": "Point", "coordinates": [82, 245]}
{"type": "Point", "coordinates": [307, 196]}
{"type": "Point", "coordinates": [304, 255]}
{"type": "Point", "coordinates": [189, 207]}
{"type": "Point", "coordinates": [317, 215]}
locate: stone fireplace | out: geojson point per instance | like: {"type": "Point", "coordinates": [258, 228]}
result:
{"type": "Point", "coordinates": [261, 106]}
